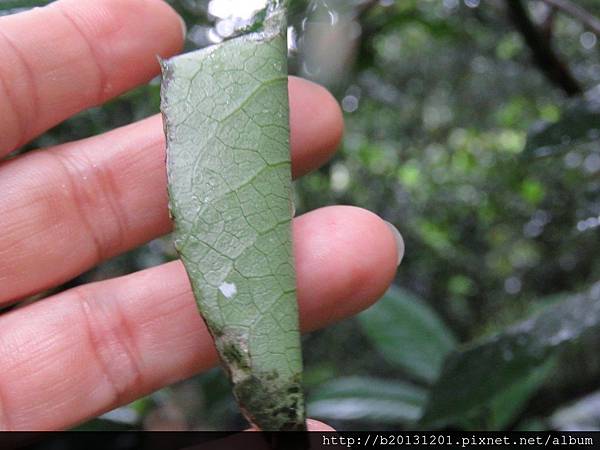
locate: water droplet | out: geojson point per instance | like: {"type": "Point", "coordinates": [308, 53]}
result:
{"type": "Point", "coordinates": [591, 164]}
{"type": "Point", "coordinates": [350, 103]}
{"type": "Point", "coordinates": [561, 336]}
{"type": "Point", "coordinates": [512, 285]}
{"type": "Point", "coordinates": [588, 40]}
{"type": "Point", "coordinates": [572, 160]}
{"type": "Point", "coordinates": [225, 27]}
{"type": "Point", "coordinates": [340, 177]}
{"type": "Point", "coordinates": [593, 134]}
{"type": "Point", "coordinates": [590, 222]}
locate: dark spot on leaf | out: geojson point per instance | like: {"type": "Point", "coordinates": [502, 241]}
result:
{"type": "Point", "coordinates": [271, 376]}
{"type": "Point", "coordinates": [294, 389]}
{"type": "Point", "coordinates": [264, 400]}
{"type": "Point", "coordinates": [234, 356]}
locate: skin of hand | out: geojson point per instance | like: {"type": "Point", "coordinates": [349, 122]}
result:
{"type": "Point", "coordinates": [63, 210]}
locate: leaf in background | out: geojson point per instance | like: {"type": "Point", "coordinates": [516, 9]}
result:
{"type": "Point", "coordinates": [408, 333]}
{"type": "Point", "coordinates": [583, 415]}
{"type": "Point", "coordinates": [6, 5]}
{"type": "Point", "coordinates": [473, 377]}
{"type": "Point", "coordinates": [226, 119]}
{"type": "Point", "coordinates": [578, 126]}
{"type": "Point", "coordinates": [101, 424]}
{"type": "Point", "coordinates": [504, 408]}
{"type": "Point", "coordinates": [368, 399]}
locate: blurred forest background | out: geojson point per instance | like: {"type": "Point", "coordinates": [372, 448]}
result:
{"type": "Point", "coordinates": [473, 126]}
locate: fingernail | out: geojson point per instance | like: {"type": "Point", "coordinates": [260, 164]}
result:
{"type": "Point", "coordinates": [183, 28]}
{"type": "Point", "coordinates": [399, 241]}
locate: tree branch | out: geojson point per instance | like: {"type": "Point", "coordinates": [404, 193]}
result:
{"type": "Point", "coordinates": [588, 20]}
{"type": "Point", "coordinates": [543, 54]}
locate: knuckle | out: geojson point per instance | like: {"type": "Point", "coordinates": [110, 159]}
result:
{"type": "Point", "coordinates": [111, 344]}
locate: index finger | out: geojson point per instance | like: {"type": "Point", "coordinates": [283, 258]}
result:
{"type": "Point", "coordinates": [74, 54]}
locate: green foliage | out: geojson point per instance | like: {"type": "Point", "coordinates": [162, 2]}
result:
{"type": "Point", "coordinates": [578, 128]}
{"type": "Point", "coordinates": [101, 424]}
{"type": "Point", "coordinates": [483, 372]}
{"type": "Point", "coordinates": [446, 118]}
{"type": "Point", "coordinates": [13, 5]}
{"type": "Point", "coordinates": [502, 409]}
{"type": "Point", "coordinates": [408, 333]}
{"type": "Point", "coordinates": [366, 399]}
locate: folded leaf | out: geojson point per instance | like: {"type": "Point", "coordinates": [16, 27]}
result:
{"type": "Point", "coordinates": [226, 118]}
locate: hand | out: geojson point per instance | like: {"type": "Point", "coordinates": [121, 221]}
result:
{"type": "Point", "coordinates": [77, 354]}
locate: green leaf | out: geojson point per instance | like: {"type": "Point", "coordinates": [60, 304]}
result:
{"type": "Point", "coordinates": [579, 126]}
{"type": "Point", "coordinates": [408, 333]}
{"type": "Point", "coordinates": [505, 407]}
{"type": "Point", "coordinates": [582, 415]}
{"type": "Point", "coordinates": [475, 376]}
{"type": "Point", "coordinates": [228, 161]}
{"type": "Point", "coordinates": [100, 424]}
{"type": "Point", "coordinates": [368, 399]}
{"type": "Point", "coordinates": [22, 4]}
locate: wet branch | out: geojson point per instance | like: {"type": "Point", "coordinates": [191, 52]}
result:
{"type": "Point", "coordinates": [543, 54]}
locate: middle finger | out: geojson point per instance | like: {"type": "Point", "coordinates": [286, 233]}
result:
{"type": "Point", "coordinates": [64, 210]}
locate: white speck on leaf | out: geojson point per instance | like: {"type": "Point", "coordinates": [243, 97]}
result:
{"type": "Point", "coordinates": [228, 289]}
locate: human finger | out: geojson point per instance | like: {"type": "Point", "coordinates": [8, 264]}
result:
{"type": "Point", "coordinates": [74, 54]}
{"type": "Point", "coordinates": [85, 351]}
{"type": "Point", "coordinates": [64, 210]}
